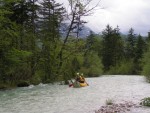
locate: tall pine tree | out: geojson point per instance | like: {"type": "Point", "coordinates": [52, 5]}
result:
{"type": "Point", "coordinates": [51, 18]}
{"type": "Point", "coordinates": [130, 47]}
{"type": "Point", "coordinates": [112, 47]}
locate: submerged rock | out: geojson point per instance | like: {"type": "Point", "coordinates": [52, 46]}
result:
{"type": "Point", "coordinates": [23, 84]}
{"type": "Point", "coordinates": [3, 87]}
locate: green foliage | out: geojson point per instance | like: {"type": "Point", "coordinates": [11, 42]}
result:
{"type": "Point", "coordinates": [32, 49]}
{"type": "Point", "coordinates": [109, 102]}
{"type": "Point", "coordinates": [140, 48]}
{"type": "Point", "coordinates": [37, 78]}
{"type": "Point", "coordinates": [146, 64]}
{"type": "Point", "coordinates": [67, 70]}
{"type": "Point", "coordinates": [124, 68]}
{"type": "Point", "coordinates": [146, 71]}
{"type": "Point", "coordinates": [92, 65]}
{"type": "Point", "coordinates": [130, 46]}
{"type": "Point", "coordinates": [145, 102]}
{"type": "Point", "coordinates": [17, 56]}
{"type": "Point", "coordinates": [112, 47]}
{"type": "Point", "coordinates": [16, 67]}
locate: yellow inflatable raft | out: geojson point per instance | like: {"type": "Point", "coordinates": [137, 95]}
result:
{"type": "Point", "coordinates": [77, 84]}
{"type": "Point", "coordinates": [83, 84]}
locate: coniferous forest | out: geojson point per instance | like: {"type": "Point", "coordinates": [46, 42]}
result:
{"type": "Point", "coordinates": [35, 48]}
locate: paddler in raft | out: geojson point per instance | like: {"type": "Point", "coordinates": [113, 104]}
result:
{"type": "Point", "coordinates": [79, 81]}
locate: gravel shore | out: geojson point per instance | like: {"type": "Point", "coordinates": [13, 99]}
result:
{"type": "Point", "coordinates": [118, 108]}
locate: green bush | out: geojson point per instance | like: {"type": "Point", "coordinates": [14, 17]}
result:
{"type": "Point", "coordinates": [109, 102]}
{"type": "Point", "coordinates": [146, 71]}
{"type": "Point", "coordinates": [146, 64]}
{"type": "Point", "coordinates": [124, 68]}
{"type": "Point", "coordinates": [146, 102]}
{"type": "Point", "coordinates": [37, 78]}
{"type": "Point", "coordinates": [92, 65]}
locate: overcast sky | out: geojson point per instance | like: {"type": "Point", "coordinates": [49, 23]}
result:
{"type": "Point", "coordinates": [124, 13]}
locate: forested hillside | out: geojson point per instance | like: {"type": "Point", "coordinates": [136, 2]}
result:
{"type": "Point", "coordinates": [32, 49]}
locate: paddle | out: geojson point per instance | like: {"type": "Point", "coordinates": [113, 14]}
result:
{"type": "Point", "coordinates": [70, 85]}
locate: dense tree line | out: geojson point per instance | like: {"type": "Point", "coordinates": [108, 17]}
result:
{"type": "Point", "coordinates": [122, 54]}
{"type": "Point", "coordinates": [33, 50]}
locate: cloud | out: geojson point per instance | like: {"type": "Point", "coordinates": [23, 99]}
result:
{"type": "Point", "coordinates": [124, 13]}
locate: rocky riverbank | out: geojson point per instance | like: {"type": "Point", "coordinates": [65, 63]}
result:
{"type": "Point", "coordinates": [118, 108]}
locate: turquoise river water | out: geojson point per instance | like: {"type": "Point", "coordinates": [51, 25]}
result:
{"type": "Point", "coordinates": [48, 98]}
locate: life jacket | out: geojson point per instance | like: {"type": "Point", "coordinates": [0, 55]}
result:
{"type": "Point", "coordinates": [82, 80]}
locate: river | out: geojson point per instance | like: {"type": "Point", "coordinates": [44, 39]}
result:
{"type": "Point", "coordinates": [48, 98]}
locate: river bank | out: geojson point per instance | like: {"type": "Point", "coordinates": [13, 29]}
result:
{"type": "Point", "coordinates": [123, 107]}
{"type": "Point", "coordinates": [8, 86]}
